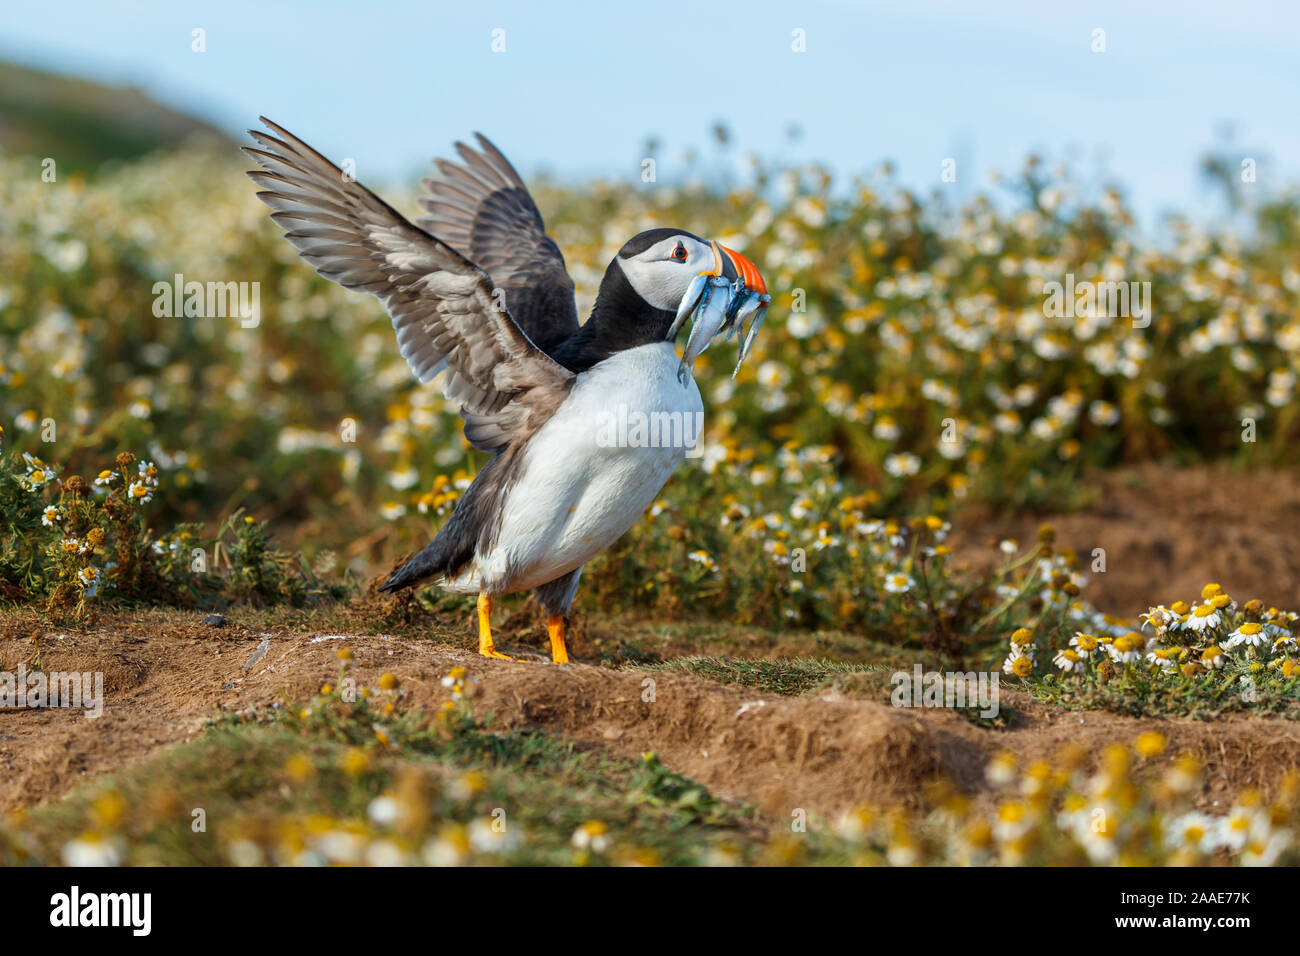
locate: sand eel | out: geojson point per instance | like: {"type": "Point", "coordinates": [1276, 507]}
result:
{"type": "Point", "coordinates": [476, 289]}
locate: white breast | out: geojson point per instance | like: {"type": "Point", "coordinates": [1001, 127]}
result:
{"type": "Point", "coordinates": [592, 470]}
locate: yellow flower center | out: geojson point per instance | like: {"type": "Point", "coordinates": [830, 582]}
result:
{"type": "Point", "coordinates": [1150, 743]}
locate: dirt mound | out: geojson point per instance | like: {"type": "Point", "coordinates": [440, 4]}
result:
{"type": "Point", "coordinates": [1168, 532]}
{"type": "Point", "coordinates": [820, 754]}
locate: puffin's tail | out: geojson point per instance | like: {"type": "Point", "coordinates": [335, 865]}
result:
{"type": "Point", "coordinates": [443, 557]}
{"type": "Point", "coordinates": [420, 567]}
{"type": "Point", "coordinates": [447, 554]}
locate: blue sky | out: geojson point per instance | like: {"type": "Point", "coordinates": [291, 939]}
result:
{"type": "Point", "coordinates": [580, 86]}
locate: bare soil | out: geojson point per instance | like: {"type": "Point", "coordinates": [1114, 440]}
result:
{"type": "Point", "coordinates": [825, 754]}
{"type": "Point", "coordinates": [1167, 532]}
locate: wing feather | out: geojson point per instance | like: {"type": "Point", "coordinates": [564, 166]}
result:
{"type": "Point", "coordinates": [446, 312]}
{"type": "Point", "coordinates": [482, 209]}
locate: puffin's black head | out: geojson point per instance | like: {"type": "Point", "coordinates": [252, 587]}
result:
{"type": "Point", "coordinates": [642, 288]}
{"type": "Point", "coordinates": [659, 264]}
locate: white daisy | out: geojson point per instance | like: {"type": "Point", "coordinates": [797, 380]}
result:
{"type": "Point", "coordinates": [886, 429]}
{"type": "Point", "coordinates": [1126, 649]}
{"type": "Point", "coordinates": [1234, 830]}
{"type": "Point", "coordinates": [1068, 660]}
{"type": "Point", "coordinates": [592, 835]}
{"type": "Point", "coordinates": [1084, 644]}
{"type": "Point", "coordinates": [704, 558]}
{"type": "Point", "coordinates": [140, 493]}
{"type": "Point", "coordinates": [91, 851]}
{"type": "Point", "coordinates": [1163, 657]}
{"type": "Point", "coordinates": [903, 464]}
{"type": "Point", "coordinates": [1250, 634]}
{"type": "Point", "coordinates": [38, 473]}
{"type": "Point", "coordinates": [89, 578]}
{"type": "Point", "coordinates": [1018, 664]}
{"type": "Point", "coordinates": [1284, 642]}
{"type": "Point", "coordinates": [1192, 831]}
{"type": "Point", "coordinates": [898, 583]}
{"type": "Point", "coordinates": [1158, 619]}
{"type": "Point", "coordinates": [1203, 617]}
{"type": "Point", "coordinates": [1264, 852]}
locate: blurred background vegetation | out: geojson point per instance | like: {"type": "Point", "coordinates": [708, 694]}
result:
{"type": "Point", "coordinates": [898, 319]}
{"type": "Point", "coordinates": [85, 123]}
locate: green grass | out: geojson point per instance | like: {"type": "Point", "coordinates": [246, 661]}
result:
{"type": "Point", "coordinates": [1205, 697]}
{"type": "Point", "coordinates": [789, 678]}
{"type": "Point", "coordinates": [809, 677]}
{"type": "Point", "coordinates": [629, 640]}
{"type": "Point", "coordinates": [459, 774]}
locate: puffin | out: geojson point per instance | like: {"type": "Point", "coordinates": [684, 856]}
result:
{"type": "Point", "coordinates": [477, 291]}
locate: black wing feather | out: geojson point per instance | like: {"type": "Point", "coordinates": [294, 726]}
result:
{"type": "Point", "coordinates": [483, 210]}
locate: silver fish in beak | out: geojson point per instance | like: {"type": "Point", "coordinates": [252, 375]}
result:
{"type": "Point", "coordinates": [710, 316]}
{"type": "Point", "coordinates": [694, 292]}
{"type": "Point", "coordinates": [750, 304]}
{"type": "Point", "coordinates": [722, 300]}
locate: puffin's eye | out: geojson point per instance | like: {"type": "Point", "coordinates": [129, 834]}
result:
{"type": "Point", "coordinates": [679, 253]}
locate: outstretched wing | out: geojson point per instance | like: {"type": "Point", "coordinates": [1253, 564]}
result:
{"type": "Point", "coordinates": [441, 303]}
{"type": "Point", "coordinates": [483, 210]}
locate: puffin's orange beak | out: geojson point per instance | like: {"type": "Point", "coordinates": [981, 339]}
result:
{"type": "Point", "coordinates": [745, 269]}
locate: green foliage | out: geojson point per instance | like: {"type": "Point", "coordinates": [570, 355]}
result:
{"type": "Point", "coordinates": [1197, 660]}
{"type": "Point", "coordinates": [897, 321]}
{"type": "Point", "coordinates": [70, 544]}
{"type": "Point", "coordinates": [366, 780]}
{"type": "Point", "coordinates": [785, 677]}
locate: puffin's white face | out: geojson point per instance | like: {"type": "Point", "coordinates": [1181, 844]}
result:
{"type": "Point", "coordinates": [661, 273]}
